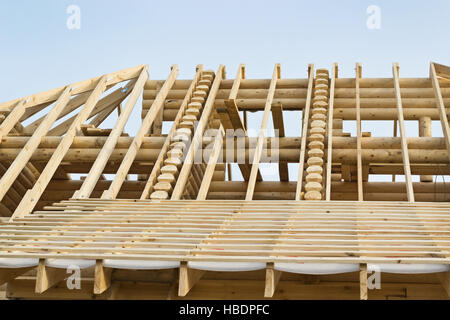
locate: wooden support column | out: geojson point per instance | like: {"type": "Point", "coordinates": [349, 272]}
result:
{"type": "Point", "coordinates": [440, 105]}
{"type": "Point", "coordinates": [25, 154]}
{"type": "Point", "coordinates": [33, 195]}
{"type": "Point", "coordinates": [358, 134]}
{"type": "Point", "coordinates": [102, 277]}
{"type": "Point", "coordinates": [162, 153]}
{"type": "Point", "coordinates": [198, 135]}
{"type": "Point", "coordinates": [147, 122]}
{"type": "Point", "coordinates": [334, 75]}
{"type": "Point", "coordinates": [306, 111]}
{"type": "Point", "coordinates": [405, 154]}
{"type": "Point", "coordinates": [425, 131]}
{"type": "Point", "coordinates": [278, 124]}
{"type": "Point", "coordinates": [262, 133]}
{"type": "Point", "coordinates": [47, 277]}
{"type": "Point", "coordinates": [395, 135]}
{"type": "Point", "coordinates": [188, 278]}
{"type": "Point", "coordinates": [363, 292]}
{"type": "Point", "coordinates": [272, 279]}
{"type": "Point", "coordinates": [101, 160]}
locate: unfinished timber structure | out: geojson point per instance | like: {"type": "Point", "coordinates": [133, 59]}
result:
{"type": "Point", "coordinates": [168, 214]}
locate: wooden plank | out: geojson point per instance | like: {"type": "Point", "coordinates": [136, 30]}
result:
{"type": "Point", "coordinates": [363, 294]}
{"type": "Point", "coordinates": [33, 195]}
{"type": "Point", "coordinates": [198, 135]}
{"type": "Point", "coordinates": [359, 173]}
{"type": "Point", "coordinates": [334, 75]}
{"type": "Point", "coordinates": [440, 105]}
{"type": "Point", "coordinates": [162, 153]}
{"type": "Point", "coordinates": [12, 118]}
{"type": "Point", "coordinates": [278, 124]}
{"type": "Point", "coordinates": [188, 278]}
{"type": "Point", "coordinates": [212, 162]}
{"type": "Point", "coordinates": [102, 277]}
{"type": "Point", "coordinates": [262, 132]}
{"type": "Point", "coordinates": [401, 123]}
{"type": "Point", "coordinates": [25, 154]}
{"type": "Point", "coordinates": [306, 112]}
{"type": "Point", "coordinates": [272, 278]}
{"type": "Point", "coordinates": [101, 160]}
{"type": "Point", "coordinates": [47, 277]}
{"type": "Point", "coordinates": [147, 122]}
{"type": "Point", "coordinates": [84, 86]}
{"type": "Point", "coordinates": [441, 70]}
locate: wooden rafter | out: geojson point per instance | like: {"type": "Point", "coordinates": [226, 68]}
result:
{"type": "Point", "coordinates": [401, 124]}
{"type": "Point", "coordinates": [262, 132]}
{"type": "Point", "coordinates": [334, 75]}
{"type": "Point", "coordinates": [359, 165]}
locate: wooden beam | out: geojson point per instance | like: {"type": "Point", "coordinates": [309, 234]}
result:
{"type": "Point", "coordinates": [441, 70]}
{"type": "Point", "coordinates": [212, 162]}
{"type": "Point", "coordinates": [306, 112]}
{"type": "Point", "coordinates": [363, 294]}
{"type": "Point", "coordinates": [162, 153]}
{"type": "Point", "coordinates": [188, 278]}
{"type": "Point", "coordinates": [12, 118]}
{"type": "Point", "coordinates": [33, 195]}
{"type": "Point", "coordinates": [101, 160]}
{"type": "Point", "coordinates": [25, 154]}
{"type": "Point", "coordinates": [198, 135]}
{"type": "Point", "coordinates": [358, 134]}
{"type": "Point", "coordinates": [401, 123]}
{"type": "Point", "coordinates": [440, 105]}
{"type": "Point", "coordinates": [102, 277]}
{"type": "Point", "coordinates": [444, 277]}
{"type": "Point", "coordinates": [278, 124]}
{"type": "Point", "coordinates": [47, 277]}
{"type": "Point", "coordinates": [147, 122]}
{"type": "Point", "coordinates": [334, 75]}
{"type": "Point", "coordinates": [262, 132]}
{"type": "Point", "coordinates": [272, 279]}
{"type": "Point", "coordinates": [9, 274]}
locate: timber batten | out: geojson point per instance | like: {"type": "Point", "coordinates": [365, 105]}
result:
{"type": "Point", "coordinates": [181, 228]}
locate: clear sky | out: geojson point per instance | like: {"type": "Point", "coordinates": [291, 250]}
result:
{"type": "Point", "coordinates": [39, 52]}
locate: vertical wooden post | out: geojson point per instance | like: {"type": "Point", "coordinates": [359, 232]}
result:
{"type": "Point", "coordinates": [425, 131]}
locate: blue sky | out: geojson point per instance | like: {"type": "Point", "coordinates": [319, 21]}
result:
{"type": "Point", "coordinates": [38, 52]}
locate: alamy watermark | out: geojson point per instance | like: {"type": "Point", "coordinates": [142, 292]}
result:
{"type": "Point", "coordinates": [74, 19]}
{"type": "Point", "coordinates": [374, 19]}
